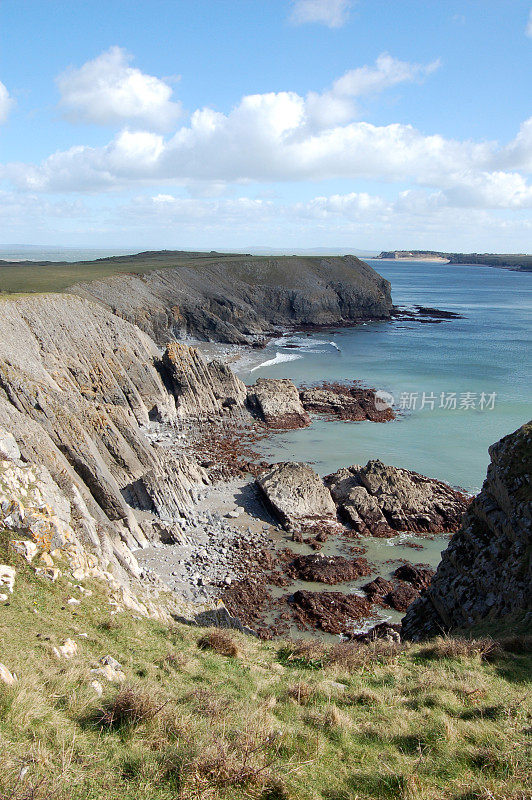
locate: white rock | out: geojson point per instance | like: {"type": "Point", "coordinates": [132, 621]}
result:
{"type": "Point", "coordinates": [109, 673]}
{"type": "Point", "coordinates": [3, 598]}
{"type": "Point", "coordinates": [66, 650]}
{"type": "Point", "coordinates": [7, 577]}
{"type": "Point", "coordinates": [25, 548]}
{"type": "Point", "coordinates": [98, 688]}
{"type": "Point", "coordinates": [6, 676]}
{"type": "Point", "coordinates": [110, 662]}
{"type": "Point", "coordinates": [8, 445]}
{"type": "Point", "coordinates": [73, 602]}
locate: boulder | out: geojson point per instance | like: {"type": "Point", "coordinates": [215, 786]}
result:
{"type": "Point", "coordinates": [25, 548]}
{"type": "Point", "coordinates": [378, 588]}
{"type": "Point", "coordinates": [9, 448]}
{"type": "Point", "coordinates": [380, 500]}
{"type": "Point", "coordinates": [277, 403]}
{"type": "Point", "coordinates": [297, 495]}
{"type": "Point", "coordinates": [7, 577]}
{"type": "Point", "coordinates": [67, 650]}
{"type": "Point", "coordinates": [200, 388]}
{"type": "Point", "coordinates": [345, 402]}
{"type": "Point", "coordinates": [401, 596]}
{"type": "Point", "coordinates": [6, 676]}
{"type": "Point", "coordinates": [328, 569]}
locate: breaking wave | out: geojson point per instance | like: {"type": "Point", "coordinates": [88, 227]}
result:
{"type": "Point", "coordinates": [280, 358]}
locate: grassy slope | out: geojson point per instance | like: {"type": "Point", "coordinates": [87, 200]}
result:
{"type": "Point", "coordinates": [21, 277]}
{"type": "Point", "coordinates": [418, 723]}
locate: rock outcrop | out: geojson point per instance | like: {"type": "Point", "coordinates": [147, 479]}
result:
{"type": "Point", "coordinates": [277, 403]}
{"type": "Point", "coordinates": [297, 495]}
{"type": "Point", "coordinates": [328, 569]}
{"type": "Point", "coordinates": [78, 388]}
{"type": "Point", "coordinates": [344, 402]}
{"type": "Point", "coordinates": [379, 500]}
{"type": "Point", "coordinates": [237, 298]}
{"type": "Point", "coordinates": [201, 389]}
{"type": "Point", "coordinates": [486, 572]}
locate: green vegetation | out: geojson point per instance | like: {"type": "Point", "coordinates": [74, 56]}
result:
{"type": "Point", "coordinates": [219, 716]}
{"type": "Point", "coordinates": [47, 276]}
{"type": "Point", "coordinates": [50, 276]}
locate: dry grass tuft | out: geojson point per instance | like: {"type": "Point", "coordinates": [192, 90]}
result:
{"type": "Point", "coordinates": [132, 705]}
{"type": "Point", "coordinates": [220, 641]}
{"type": "Point", "coordinates": [456, 647]}
{"type": "Point", "coordinates": [353, 655]}
{"type": "Point", "coordinates": [301, 692]}
{"type": "Point", "coordinates": [245, 765]}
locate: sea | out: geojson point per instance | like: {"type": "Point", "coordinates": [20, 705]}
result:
{"type": "Point", "coordinates": [457, 386]}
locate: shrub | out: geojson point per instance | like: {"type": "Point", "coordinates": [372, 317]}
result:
{"type": "Point", "coordinates": [131, 706]}
{"type": "Point", "coordinates": [220, 641]}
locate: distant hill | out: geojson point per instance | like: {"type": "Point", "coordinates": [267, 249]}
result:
{"type": "Point", "coordinates": [519, 262]}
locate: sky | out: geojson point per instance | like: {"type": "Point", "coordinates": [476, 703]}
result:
{"type": "Point", "coordinates": [241, 124]}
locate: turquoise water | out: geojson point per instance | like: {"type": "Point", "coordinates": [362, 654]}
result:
{"type": "Point", "coordinates": [488, 351]}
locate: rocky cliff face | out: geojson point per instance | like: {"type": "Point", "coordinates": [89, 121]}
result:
{"type": "Point", "coordinates": [234, 298]}
{"type": "Point", "coordinates": [486, 572]}
{"type": "Point", "coordinates": [78, 387]}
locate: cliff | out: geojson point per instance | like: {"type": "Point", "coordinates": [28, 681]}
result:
{"type": "Point", "coordinates": [486, 572]}
{"type": "Point", "coordinates": [236, 298]}
{"type": "Point", "coordinates": [79, 388]}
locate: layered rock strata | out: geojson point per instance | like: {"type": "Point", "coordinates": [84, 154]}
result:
{"type": "Point", "coordinates": [486, 572]}
{"type": "Point", "coordinates": [238, 298]}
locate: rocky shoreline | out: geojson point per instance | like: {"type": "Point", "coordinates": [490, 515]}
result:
{"type": "Point", "coordinates": [278, 545]}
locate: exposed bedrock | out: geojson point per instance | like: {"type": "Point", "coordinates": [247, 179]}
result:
{"type": "Point", "coordinates": [296, 495]}
{"type": "Point", "coordinates": [379, 500]}
{"type": "Point", "coordinates": [200, 388]}
{"type": "Point", "coordinates": [277, 403]}
{"type": "Point", "coordinates": [236, 298]}
{"type": "Point", "coordinates": [485, 574]}
{"type": "Point", "coordinates": [78, 385]}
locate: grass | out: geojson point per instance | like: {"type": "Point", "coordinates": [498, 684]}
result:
{"type": "Point", "coordinates": [219, 716]}
{"type": "Point", "coordinates": [17, 279]}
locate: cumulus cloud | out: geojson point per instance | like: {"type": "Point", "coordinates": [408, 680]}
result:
{"type": "Point", "coordinates": [333, 13]}
{"type": "Point", "coordinates": [337, 105]}
{"type": "Point", "coordinates": [5, 102]}
{"type": "Point", "coordinates": [108, 91]}
{"type": "Point", "coordinates": [283, 136]}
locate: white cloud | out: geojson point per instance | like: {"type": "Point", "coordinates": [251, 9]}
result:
{"type": "Point", "coordinates": [5, 102]}
{"type": "Point", "coordinates": [333, 13]}
{"type": "Point", "coordinates": [528, 30]}
{"type": "Point", "coordinates": [337, 105]}
{"type": "Point", "coordinates": [107, 91]}
{"type": "Point", "coordinates": [282, 137]}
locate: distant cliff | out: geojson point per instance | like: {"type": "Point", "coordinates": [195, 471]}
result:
{"type": "Point", "coordinates": [235, 298]}
{"type": "Point", "coordinates": [486, 572]}
{"type": "Point", "coordinates": [519, 262]}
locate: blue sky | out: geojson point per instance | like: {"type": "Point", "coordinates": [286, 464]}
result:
{"type": "Point", "coordinates": [286, 123]}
